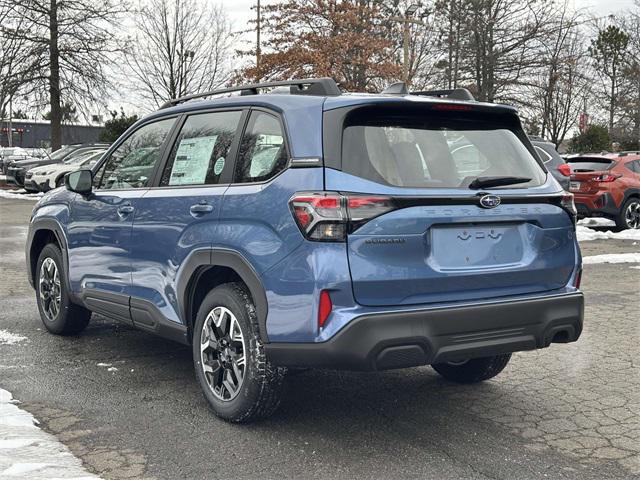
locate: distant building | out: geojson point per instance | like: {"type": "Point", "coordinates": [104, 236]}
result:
{"type": "Point", "coordinates": [37, 133]}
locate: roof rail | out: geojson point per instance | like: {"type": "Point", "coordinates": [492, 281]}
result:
{"type": "Point", "coordinates": [628, 152]}
{"type": "Point", "coordinates": [306, 86]}
{"type": "Point", "coordinates": [455, 94]}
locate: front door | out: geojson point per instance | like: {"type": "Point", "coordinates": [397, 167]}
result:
{"type": "Point", "coordinates": [100, 225]}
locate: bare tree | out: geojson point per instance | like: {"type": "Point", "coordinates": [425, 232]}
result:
{"type": "Point", "coordinates": [559, 86]}
{"type": "Point", "coordinates": [629, 99]}
{"type": "Point", "coordinates": [609, 51]}
{"type": "Point", "coordinates": [74, 42]}
{"type": "Point", "coordinates": [501, 49]}
{"type": "Point", "coordinates": [18, 59]}
{"type": "Point", "coordinates": [181, 47]}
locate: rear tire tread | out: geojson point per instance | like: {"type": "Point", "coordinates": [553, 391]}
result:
{"type": "Point", "coordinates": [269, 378]}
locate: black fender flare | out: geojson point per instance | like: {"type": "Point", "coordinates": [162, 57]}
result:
{"type": "Point", "coordinates": [53, 226]}
{"type": "Point", "coordinates": [630, 192]}
{"type": "Point", "coordinates": [222, 257]}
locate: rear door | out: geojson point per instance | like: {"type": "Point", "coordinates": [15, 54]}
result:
{"type": "Point", "coordinates": [442, 238]}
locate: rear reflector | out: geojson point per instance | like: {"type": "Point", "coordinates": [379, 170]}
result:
{"type": "Point", "coordinates": [565, 170]}
{"type": "Point", "coordinates": [578, 279]}
{"type": "Point", "coordinates": [324, 309]}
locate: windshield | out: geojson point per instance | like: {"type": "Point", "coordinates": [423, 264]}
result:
{"type": "Point", "coordinates": [60, 154]}
{"type": "Point", "coordinates": [422, 152]}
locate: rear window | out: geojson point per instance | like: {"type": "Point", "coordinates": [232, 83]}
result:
{"type": "Point", "coordinates": [590, 164]}
{"type": "Point", "coordinates": [420, 151]}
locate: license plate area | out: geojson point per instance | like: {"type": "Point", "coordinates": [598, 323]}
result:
{"type": "Point", "coordinates": [476, 247]}
{"type": "Point", "coordinates": [575, 186]}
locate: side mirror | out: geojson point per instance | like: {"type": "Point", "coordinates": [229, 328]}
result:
{"type": "Point", "coordinates": [80, 181]}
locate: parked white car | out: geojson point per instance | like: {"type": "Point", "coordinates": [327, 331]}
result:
{"type": "Point", "coordinates": [51, 176]}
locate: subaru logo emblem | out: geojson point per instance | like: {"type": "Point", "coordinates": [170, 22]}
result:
{"type": "Point", "coordinates": [489, 201]}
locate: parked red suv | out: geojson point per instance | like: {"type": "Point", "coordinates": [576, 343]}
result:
{"type": "Point", "coordinates": [607, 185]}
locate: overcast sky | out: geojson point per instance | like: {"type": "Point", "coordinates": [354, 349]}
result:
{"type": "Point", "coordinates": [240, 12]}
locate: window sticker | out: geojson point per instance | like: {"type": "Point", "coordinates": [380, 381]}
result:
{"type": "Point", "coordinates": [192, 161]}
{"type": "Point", "coordinates": [219, 166]}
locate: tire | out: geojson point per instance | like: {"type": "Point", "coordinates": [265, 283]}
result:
{"type": "Point", "coordinates": [62, 316]}
{"type": "Point", "coordinates": [256, 385]}
{"type": "Point", "coordinates": [474, 370]}
{"type": "Point", "coordinates": [629, 215]}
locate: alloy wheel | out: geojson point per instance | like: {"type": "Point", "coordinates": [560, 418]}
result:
{"type": "Point", "coordinates": [49, 289]}
{"type": "Point", "coordinates": [632, 215]}
{"type": "Point", "coordinates": [222, 350]}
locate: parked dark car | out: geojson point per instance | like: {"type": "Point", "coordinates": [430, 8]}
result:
{"type": "Point", "coordinates": [552, 160]}
{"type": "Point", "coordinates": [316, 229]}
{"type": "Point", "coordinates": [16, 172]}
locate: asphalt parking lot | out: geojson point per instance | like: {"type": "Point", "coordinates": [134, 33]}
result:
{"type": "Point", "coordinates": [569, 411]}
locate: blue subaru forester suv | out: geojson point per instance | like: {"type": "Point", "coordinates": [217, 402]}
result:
{"type": "Point", "coordinates": [293, 226]}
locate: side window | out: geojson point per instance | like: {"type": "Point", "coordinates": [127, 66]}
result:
{"type": "Point", "coordinates": [634, 166]}
{"type": "Point", "coordinates": [201, 150]}
{"type": "Point", "coordinates": [131, 164]}
{"type": "Point", "coordinates": [262, 152]}
{"type": "Point", "coordinates": [544, 156]}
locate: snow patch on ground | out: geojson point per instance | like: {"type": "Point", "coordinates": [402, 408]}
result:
{"type": "Point", "coordinates": [597, 222]}
{"type": "Point", "coordinates": [8, 338]}
{"type": "Point", "coordinates": [26, 452]}
{"type": "Point", "coordinates": [612, 258]}
{"type": "Point", "coordinates": [586, 234]}
{"type": "Point", "coordinates": [20, 195]}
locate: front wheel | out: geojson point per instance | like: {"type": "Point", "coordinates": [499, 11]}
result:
{"type": "Point", "coordinates": [58, 313]}
{"type": "Point", "coordinates": [474, 370]}
{"type": "Point", "coordinates": [629, 215]}
{"type": "Point", "coordinates": [237, 379]}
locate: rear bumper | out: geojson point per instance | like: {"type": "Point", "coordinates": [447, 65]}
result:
{"type": "Point", "coordinates": [599, 205]}
{"type": "Point", "coordinates": [411, 338]}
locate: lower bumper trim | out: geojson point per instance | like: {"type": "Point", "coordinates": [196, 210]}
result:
{"type": "Point", "coordinates": [407, 339]}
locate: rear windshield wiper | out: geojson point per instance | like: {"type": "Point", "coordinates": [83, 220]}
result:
{"type": "Point", "coordinates": [487, 182]}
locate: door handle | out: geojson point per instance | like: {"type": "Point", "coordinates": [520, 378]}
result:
{"type": "Point", "coordinates": [201, 208]}
{"type": "Point", "coordinates": [125, 210]}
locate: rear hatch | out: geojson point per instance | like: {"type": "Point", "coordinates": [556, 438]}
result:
{"type": "Point", "coordinates": [443, 210]}
{"type": "Point", "coordinates": [589, 173]}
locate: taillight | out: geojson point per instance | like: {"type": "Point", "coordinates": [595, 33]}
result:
{"type": "Point", "coordinates": [568, 204]}
{"type": "Point", "coordinates": [607, 177]}
{"type": "Point", "coordinates": [564, 170]}
{"type": "Point", "coordinates": [329, 216]}
{"type": "Point", "coordinates": [324, 308]}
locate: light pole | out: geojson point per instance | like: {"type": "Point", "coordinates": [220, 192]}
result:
{"type": "Point", "coordinates": [406, 21]}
